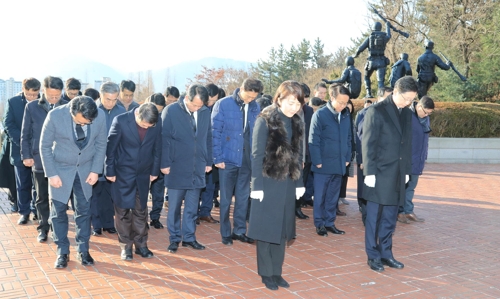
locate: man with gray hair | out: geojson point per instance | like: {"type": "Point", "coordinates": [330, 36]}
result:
{"type": "Point", "coordinates": [102, 205]}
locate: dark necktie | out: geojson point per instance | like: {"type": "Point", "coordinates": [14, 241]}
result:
{"type": "Point", "coordinates": [79, 133]}
{"type": "Point", "coordinates": [51, 106]}
{"type": "Point", "coordinates": [193, 121]}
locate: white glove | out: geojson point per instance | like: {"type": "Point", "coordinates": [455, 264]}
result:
{"type": "Point", "coordinates": [407, 179]}
{"type": "Point", "coordinates": [370, 180]}
{"type": "Point", "coordinates": [257, 195]}
{"type": "Point", "coordinates": [299, 192]}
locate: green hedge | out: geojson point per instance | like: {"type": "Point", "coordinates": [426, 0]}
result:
{"type": "Point", "coordinates": [466, 119]}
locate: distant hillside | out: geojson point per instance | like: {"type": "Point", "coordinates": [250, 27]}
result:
{"type": "Point", "coordinates": [179, 74]}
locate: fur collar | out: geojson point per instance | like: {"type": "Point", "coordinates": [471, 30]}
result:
{"type": "Point", "coordinates": [282, 157]}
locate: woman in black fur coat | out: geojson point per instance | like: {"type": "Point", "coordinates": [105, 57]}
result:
{"type": "Point", "coordinates": [276, 180]}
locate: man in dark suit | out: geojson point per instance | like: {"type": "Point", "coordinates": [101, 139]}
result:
{"type": "Point", "coordinates": [186, 157]}
{"type": "Point", "coordinates": [102, 208]}
{"type": "Point", "coordinates": [72, 148]}
{"type": "Point", "coordinates": [34, 116]}
{"type": "Point", "coordinates": [386, 145]}
{"type": "Point", "coordinates": [13, 121]}
{"type": "Point", "coordinates": [132, 162]}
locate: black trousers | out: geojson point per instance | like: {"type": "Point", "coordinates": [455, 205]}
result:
{"type": "Point", "coordinates": [270, 256]}
{"type": "Point", "coordinates": [131, 225]}
{"type": "Point", "coordinates": [42, 203]}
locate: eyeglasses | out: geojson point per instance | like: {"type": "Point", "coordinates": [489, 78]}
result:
{"type": "Point", "coordinates": [425, 112]}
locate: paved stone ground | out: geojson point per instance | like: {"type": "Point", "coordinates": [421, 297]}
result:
{"type": "Point", "coordinates": [454, 254]}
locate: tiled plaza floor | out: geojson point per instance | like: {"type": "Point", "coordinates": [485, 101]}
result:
{"type": "Point", "coordinates": [455, 253]}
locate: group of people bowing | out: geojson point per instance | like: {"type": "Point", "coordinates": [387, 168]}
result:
{"type": "Point", "coordinates": [108, 153]}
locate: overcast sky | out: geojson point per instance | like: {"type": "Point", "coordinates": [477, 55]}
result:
{"type": "Point", "coordinates": [145, 34]}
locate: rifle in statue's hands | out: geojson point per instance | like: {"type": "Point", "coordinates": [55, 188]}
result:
{"type": "Point", "coordinates": [405, 34]}
{"type": "Point", "coordinates": [448, 62]}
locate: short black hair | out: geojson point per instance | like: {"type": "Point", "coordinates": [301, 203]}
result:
{"type": "Point", "coordinates": [73, 83]}
{"type": "Point", "coordinates": [172, 91]}
{"type": "Point", "coordinates": [212, 89]}
{"type": "Point", "coordinates": [307, 90]}
{"type": "Point", "coordinates": [253, 85]}
{"type": "Point", "coordinates": [406, 84]}
{"type": "Point", "coordinates": [157, 98]}
{"type": "Point", "coordinates": [148, 112]}
{"type": "Point", "coordinates": [127, 84]}
{"type": "Point", "coordinates": [90, 92]}
{"type": "Point", "coordinates": [315, 101]}
{"type": "Point", "coordinates": [53, 82]}
{"type": "Point", "coordinates": [427, 102]}
{"type": "Point", "coordinates": [336, 89]}
{"type": "Point", "coordinates": [318, 85]}
{"type": "Point", "coordinates": [84, 105]}
{"type": "Point", "coordinates": [31, 84]}
{"type": "Point", "coordinates": [382, 90]}
{"type": "Point", "coordinates": [264, 101]}
{"type": "Point", "coordinates": [222, 93]}
{"type": "Point", "coordinates": [197, 90]}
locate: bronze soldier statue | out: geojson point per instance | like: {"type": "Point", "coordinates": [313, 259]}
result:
{"type": "Point", "coordinates": [400, 69]}
{"type": "Point", "coordinates": [377, 61]}
{"type": "Point", "coordinates": [426, 64]}
{"type": "Point", "coordinates": [351, 78]}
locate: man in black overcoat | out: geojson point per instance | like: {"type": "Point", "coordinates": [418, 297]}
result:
{"type": "Point", "coordinates": [386, 145]}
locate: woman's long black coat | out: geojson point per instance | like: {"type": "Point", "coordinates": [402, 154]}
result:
{"type": "Point", "coordinates": [274, 216]}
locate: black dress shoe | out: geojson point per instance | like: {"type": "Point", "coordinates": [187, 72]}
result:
{"type": "Point", "coordinates": [110, 230]}
{"type": "Point", "coordinates": [280, 281]}
{"type": "Point", "coordinates": [194, 245]}
{"type": "Point", "coordinates": [308, 203]}
{"type": "Point", "coordinates": [216, 203]}
{"type": "Point", "coordinates": [340, 213]}
{"type": "Point", "coordinates": [42, 236]}
{"type": "Point", "coordinates": [299, 214]}
{"type": "Point", "coordinates": [270, 283]}
{"type": "Point", "coordinates": [172, 248]}
{"type": "Point", "coordinates": [242, 238]}
{"type": "Point", "coordinates": [85, 258]}
{"type": "Point", "coordinates": [144, 252]}
{"type": "Point", "coordinates": [97, 232]}
{"type": "Point", "coordinates": [376, 265]}
{"type": "Point", "coordinates": [156, 224]}
{"type": "Point", "coordinates": [62, 261]}
{"type": "Point", "coordinates": [321, 231]}
{"type": "Point", "coordinates": [208, 219]}
{"type": "Point", "coordinates": [392, 263]}
{"type": "Point", "coordinates": [227, 241]}
{"type": "Point", "coordinates": [126, 254]}
{"type": "Point", "coordinates": [334, 230]}
{"type": "Point", "coordinates": [23, 219]}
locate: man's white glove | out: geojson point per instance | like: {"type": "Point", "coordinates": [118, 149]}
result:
{"type": "Point", "coordinates": [257, 195]}
{"type": "Point", "coordinates": [407, 179]}
{"type": "Point", "coordinates": [299, 192]}
{"type": "Point", "coordinates": [370, 180]}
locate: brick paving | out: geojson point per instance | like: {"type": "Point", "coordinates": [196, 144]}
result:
{"type": "Point", "coordinates": [454, 254]}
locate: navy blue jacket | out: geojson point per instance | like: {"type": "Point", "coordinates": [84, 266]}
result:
{"type": "Point", "coordinates": [330, 141]}
{"type": "Point", "coordinates": [359, 134]}
{"type": "Point", "coordinates": [419, 143]}
{"type": "Point", "coordinates": [13, 122]}
{"type": "Point", "coordinates": [35, 113]}
{"type": "Point", "coordinates": [131, 161]}
{"type": "Point", "coordinates": [185, 152]}
{"type": "Point", "coordinates": [227, 128]}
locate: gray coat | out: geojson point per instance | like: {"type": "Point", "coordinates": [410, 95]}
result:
{"type": "Point", "coordinates": [61, 155]}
